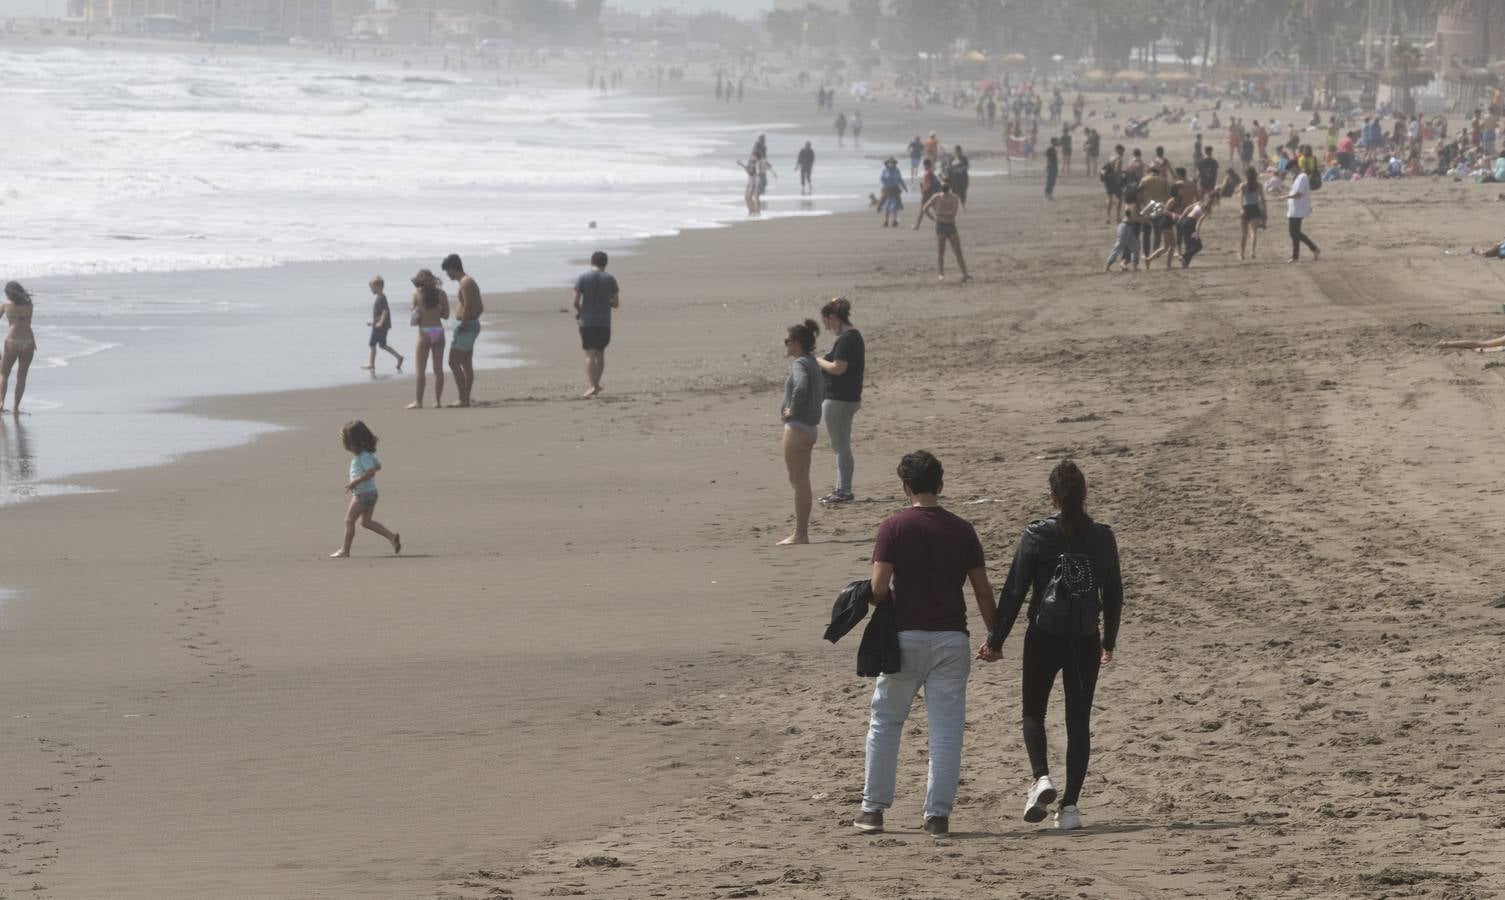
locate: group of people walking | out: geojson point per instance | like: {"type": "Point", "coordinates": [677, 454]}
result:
{"type": "Point", "coordinates": [1159, 210]}
{"type": "Point", "coordinates": [1066, 567]}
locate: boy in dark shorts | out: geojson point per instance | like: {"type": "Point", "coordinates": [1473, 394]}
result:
{"type": "Point", "coordinates": [596, 295]}
{"type": "Point", "coordinates": [381, 323]}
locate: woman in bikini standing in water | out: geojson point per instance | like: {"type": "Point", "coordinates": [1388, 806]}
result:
{"type": "Point", "coordinates": [430, 309]}
{"type": "Point", "coordinates": [20, 342]}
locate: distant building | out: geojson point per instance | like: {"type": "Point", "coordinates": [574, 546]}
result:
{"type": "Point", "coordinates": [1468, 35]}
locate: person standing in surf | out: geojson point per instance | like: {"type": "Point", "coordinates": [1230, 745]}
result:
{"type": "Point", "coordinates": [805, 162]}
{"type": "Point", "coordinates": [467, 328]}
{"type": "Point", "coordinates": [20, 342]}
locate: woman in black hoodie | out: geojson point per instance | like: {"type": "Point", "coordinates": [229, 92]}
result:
{"type": "Point", "coordinates": [1071, 563]}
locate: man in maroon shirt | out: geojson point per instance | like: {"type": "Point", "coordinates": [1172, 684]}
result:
{"type": "Point", "coordinates": [921, 557]}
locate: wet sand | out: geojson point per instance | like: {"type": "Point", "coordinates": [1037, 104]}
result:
{"type": "Point", "coordinates": [591, 647]}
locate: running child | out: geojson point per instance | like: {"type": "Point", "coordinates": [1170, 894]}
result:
{"type": "Point", "coordinates": [359, 440]}
{"type": "Point", "coordinates": [380, 324]}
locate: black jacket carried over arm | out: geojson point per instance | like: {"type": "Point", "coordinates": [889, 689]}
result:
{"type": "Point", "coordinates": [878, 654]}
{"type": "Point", "coordinates": [1035, 559]}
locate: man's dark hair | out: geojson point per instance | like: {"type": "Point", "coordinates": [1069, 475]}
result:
{"type": "Point", "coordinates": [598, 259]}
{"type": "Point", "coordinates": [452, 263]}
{"type": "Point", "coordinates": [921, 472]}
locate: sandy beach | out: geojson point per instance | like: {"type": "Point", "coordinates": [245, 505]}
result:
{"type": "Point", "coordinates": [591, 673]}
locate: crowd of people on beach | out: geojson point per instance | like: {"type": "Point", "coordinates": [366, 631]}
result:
{"type": "Point", "coordinates": [1158, 209]}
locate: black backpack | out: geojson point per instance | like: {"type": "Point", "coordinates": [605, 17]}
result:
{"type": "Point", "coordinates": [1072, 601]}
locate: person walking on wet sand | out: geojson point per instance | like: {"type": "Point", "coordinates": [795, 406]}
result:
{"type": "Point", "coordinates": [20, 343]}
{"type": "Point", "coordinates": [805, 162]}
{"type": "Point", "coordinates": [430, 309]}
{"type": "Point", "coordinates": [381, 323]}
{"type": "Point", "coordinates": [891, 200]}
{"type": "Point", "coordinates": [943, 208]}
{"type": "Point", "coordinates": [804, 393]}
{"type": "Point", "coordinates": [467, 328]}
{"type": "Point", "coordinates": [841, 129]}
{"type": "Point", "coordinates": [596, 295]}
{"type": "Point", "coordinates": [921, 558]}
{"type": "Point", "coordinates": [1068, 564]}
{"type": "Point", "coordinates": [361, 486]}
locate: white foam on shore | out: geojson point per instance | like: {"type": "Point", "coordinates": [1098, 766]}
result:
{"type": "Point", "coordinates": [122, 162]}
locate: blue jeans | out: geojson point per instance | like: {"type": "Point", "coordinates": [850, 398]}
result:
{"type": "Point", "coordinates": [938, 661]}
{"type": "Point", "coordinates": [837, 414]}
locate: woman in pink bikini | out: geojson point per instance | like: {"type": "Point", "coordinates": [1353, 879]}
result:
{"type": "Point", "coordinates": [430, 309]}
{"type": "Point", "coordinates": [20, 342]}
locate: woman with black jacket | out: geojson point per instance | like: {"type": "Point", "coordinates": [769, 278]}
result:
{"type": "Point", "coordinates": [1071, 563]}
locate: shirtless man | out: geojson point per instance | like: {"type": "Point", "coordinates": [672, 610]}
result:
{"type": "Point", "coordinates": [943, 208]}
{"type": "Point", "coordinates": [467, 328]}
{"type": "Point", "coordinates": [20, 342]}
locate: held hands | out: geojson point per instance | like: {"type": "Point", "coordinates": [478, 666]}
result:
{"type": "Point", "coordinates": [987, 654]}
{"type": "Point", "coordinates": [1107, 657]}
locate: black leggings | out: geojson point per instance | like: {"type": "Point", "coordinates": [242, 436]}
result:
{"type": "Point", "coordinates": [1078, 660]}
{"type": "Point", "coordinates": [1298, 238]}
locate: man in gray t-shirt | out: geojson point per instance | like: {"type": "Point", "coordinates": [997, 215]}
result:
{"type": "Point", "coordinates": [596, 295]}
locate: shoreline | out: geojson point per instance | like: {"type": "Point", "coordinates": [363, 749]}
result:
{"type": "Point", "coordinates": [34, 471]}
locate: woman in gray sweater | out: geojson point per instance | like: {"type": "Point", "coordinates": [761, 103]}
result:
{"type": "Point", "coordinates": [804, 390]}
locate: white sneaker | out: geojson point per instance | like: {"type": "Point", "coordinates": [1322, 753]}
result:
{"type": "Point", "coordinates": [1041, 795]}
{"type": "Point", "coordinates": [1068, 819]}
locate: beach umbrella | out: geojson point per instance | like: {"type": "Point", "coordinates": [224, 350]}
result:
{"type": "Point", "coordinates": [1013, 59]}
{"type": "Point", "coordinates": [1096, 74]}
{"type": "Point", "coordinates": [974, 56]}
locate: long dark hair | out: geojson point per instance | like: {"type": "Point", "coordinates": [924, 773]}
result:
{"type": "Point", "coordinates": [17, 294]}
{"type": "Point", "coordinates": [805, 333]}
{"type": "Point", "coordinates": [357, 438]}
{"type": "Point", "coordinates": [1069, 488]}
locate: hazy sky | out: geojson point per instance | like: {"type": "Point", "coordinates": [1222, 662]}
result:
{"type": "Point", "coordinates": [57, 8]}
{"type": "Point", "coordinates": [735, 7]}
